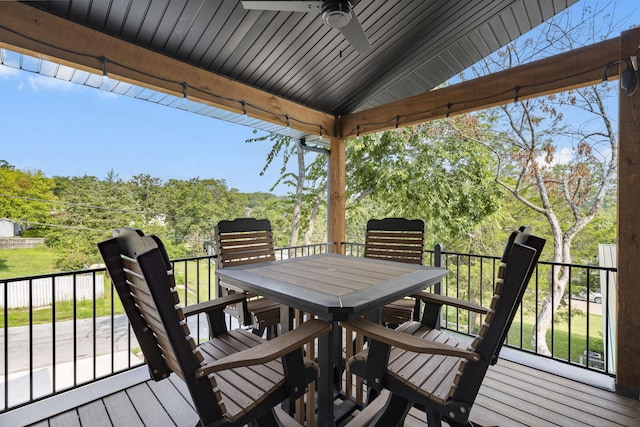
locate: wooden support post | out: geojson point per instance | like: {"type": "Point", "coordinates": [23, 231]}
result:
{"type": "Point", "coordinates": [337, 188]}
{"type": "Point", "coordinates": [628, 292]}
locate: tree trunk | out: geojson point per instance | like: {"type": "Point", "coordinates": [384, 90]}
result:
{"type": "Point", "coordinates": [559, 277]}
{"type": "Point", "coordinates": [308, 235]}
{"type": "Point", "coordinates": [297, 204]}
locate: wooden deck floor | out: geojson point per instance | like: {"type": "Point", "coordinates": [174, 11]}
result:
{"type": "Point", "coordinates": [512, 395]}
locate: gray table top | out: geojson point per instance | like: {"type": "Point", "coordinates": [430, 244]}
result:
{"type": "Point", "coordinates": [332, 286]}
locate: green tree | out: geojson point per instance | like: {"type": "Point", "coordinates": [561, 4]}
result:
{"type": "Point", "coordinates": [89, 210]}
{"type": "Point", "coordinates": [193, 207]}
{"type": "Point", "coordinates": [147, 194]}
{"type": "Point", "coordinates": [427, 171]}
{"type": "Point", "coordinates": [304, 208]}
{"type": "Point", "coordinates": [25, 196]}
{"type": "Point", "coordinates": [528, 136]}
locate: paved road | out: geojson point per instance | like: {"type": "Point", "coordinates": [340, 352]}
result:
{"type": "Point", "coordinates": [111, 340]}
{"type": "Point", "coordinates": [107, 334]}
{"type": "Point", "coordinates": [582, 305]}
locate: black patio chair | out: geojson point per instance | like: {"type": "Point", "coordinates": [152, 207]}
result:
{"type": "Point", "coordinates": [401, 240]}
{"type": "Point", "coordinates": [235, 378]}
{"type": "Point", "coordinates": [247, 241]}
{"type": "Point", "coordinates": [425, 367]}
{"type": "Point", "coordinates": [393, 239]}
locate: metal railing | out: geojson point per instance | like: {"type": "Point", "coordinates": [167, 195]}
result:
{"type": "Point", "coordinates": [71, 342]}
{"type": "Point", "coordinates": [59, 331]}
{"type": "Point", "coordinates": [581, 331]}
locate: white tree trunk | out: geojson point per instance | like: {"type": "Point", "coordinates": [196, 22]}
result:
{"type": "Point", "coordinates": [308, 235]}
{"type": "Point", "coordinates": [549, 306]}
{"type": "Point", "coordinates": [297, 205]}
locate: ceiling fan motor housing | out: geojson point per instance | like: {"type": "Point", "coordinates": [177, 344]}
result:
{"type": "Point", "coordinates": [336, 13]}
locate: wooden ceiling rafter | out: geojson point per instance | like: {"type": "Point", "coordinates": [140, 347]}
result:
{"type": "Point", "coordinates": [577, 68]}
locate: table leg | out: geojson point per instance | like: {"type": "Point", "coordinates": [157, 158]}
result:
{"type": "Point", "coordinates": [325, 380]}
{"type": "Point", "coordinates": [286, 318]}
{"type": "Point", "coordinates": [338, 360]}
{"type": "Point", "coordinates": [286, 324]}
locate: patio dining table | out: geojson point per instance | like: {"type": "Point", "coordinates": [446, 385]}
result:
{"type": "Point", "coordinates": [332, 287]}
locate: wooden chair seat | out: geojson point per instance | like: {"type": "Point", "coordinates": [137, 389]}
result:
{"type": "Point", "coordinates": [243, 389]}
{"type": "Point", "coordinates": [431, 375]}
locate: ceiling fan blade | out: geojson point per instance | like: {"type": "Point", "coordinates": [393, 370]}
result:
{"type": "Point", "coordinates": [355, 35]}
{"type": "Point", "coordinates": [285, 6]}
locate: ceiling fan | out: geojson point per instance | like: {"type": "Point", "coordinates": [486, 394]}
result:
{"type": "Point", "coordinates": [335, 13]}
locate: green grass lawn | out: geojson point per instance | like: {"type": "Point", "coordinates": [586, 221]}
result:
{"type": "Point", "coordinates": [564, 346]}
{"type": "Point", "coordinates": [193, 274]}
{"type": "Point", "coordinates": [64, 310]}
{"type": "Point", "coordinates": [190, 274]}
{"type": "Point", "coordinates": [26, 262]}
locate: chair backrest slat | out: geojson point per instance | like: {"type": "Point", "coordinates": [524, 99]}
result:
{"type": "Point", "coordinates": [395, 239]}
{"type": "Point", "coordinates": [244, 241]}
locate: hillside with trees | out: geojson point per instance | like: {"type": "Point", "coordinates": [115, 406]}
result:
{"type": "Point", "coordinates": [74, 213]}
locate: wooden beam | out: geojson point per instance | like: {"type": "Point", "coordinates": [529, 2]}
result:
{"type": "Point", "coordinates": [337, 191]}
{"type": "Point", "coordinates": [31, 31]}
{"type": "Point", "coordinates": [628, 239]}
{"type": "Point", "coordinates": [580, 67]}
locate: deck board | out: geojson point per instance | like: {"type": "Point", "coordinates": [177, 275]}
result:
{"type": "Point", "coordinates": [174, 402]}
{"type": "Point", "coordinates": [512, 395]}
{"type": "Point", "coordinates": [582, 402]}
{"type": "Point", "coordinates": [548, 412]}
{"type": "Point", "coordinates": [121, 411]}
{"type": "Point", "coordinates": [94, 414]}
{"type": "Point", "coordinates": [66, 419]}
{"type": "Point", "coordinates": [151, 411]}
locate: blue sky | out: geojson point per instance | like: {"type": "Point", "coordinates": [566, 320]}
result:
{"type": "Point", "coordinates": [70, 130]}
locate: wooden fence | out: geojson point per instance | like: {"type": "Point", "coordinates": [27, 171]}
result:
{"type": "Point", "coordinates": [18, 294]}
{"type": "Point", "coordinates": [20, 242]}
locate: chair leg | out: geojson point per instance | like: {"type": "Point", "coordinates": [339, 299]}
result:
{"type": "Point", "coordinates": [259, 332]}
{"type": "Point", "coordinates": [266, 420]}
{"type": "Point", "coordinates": [433, 418]}
{"type": "Point", "coordinates": [272, 331]}
{"type": "Point", "coordinates": [396, 411]}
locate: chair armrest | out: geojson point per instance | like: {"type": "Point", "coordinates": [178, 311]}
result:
{"type": "Point", "coordinates": [270, 350]}
{"type": "Point", "coordinates": [436, 299]}
{"type": "Point", "coordinates": [214, 304]}
{"type": "Point", "coordinates": [405, 341]}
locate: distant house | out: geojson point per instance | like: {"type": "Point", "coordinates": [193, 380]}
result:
{"type": "Point", "coordinates": [9, 228]}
